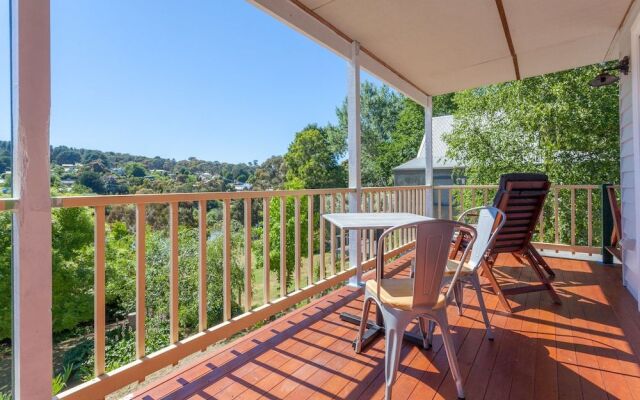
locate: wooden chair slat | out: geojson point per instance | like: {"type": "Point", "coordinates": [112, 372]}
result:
{"type": "Point", "coordinates": [521, 197]}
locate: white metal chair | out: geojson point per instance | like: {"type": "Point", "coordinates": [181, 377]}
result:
{"type": "Point", "coordinates": [402, 300]}
{"type": "Point", "coordinates": [489, 222]}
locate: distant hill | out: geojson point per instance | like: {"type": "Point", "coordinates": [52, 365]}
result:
{"type": "Point", "coordinates": [76, 170]}
{"type": "Point", "coordinates": [69, 155]}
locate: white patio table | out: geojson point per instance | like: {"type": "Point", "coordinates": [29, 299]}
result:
{"type": "Point", "coordinates": [378, 222]}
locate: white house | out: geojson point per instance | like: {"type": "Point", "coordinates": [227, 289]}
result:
{"type": "Point", "coordinates": [412, 172]}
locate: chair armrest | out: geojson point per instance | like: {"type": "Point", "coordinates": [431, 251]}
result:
{"type": "Point", "coordinates": [463, 234]}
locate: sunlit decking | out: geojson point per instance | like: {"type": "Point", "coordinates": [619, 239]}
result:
{"type": "Point", "coordinates": [586, 348]}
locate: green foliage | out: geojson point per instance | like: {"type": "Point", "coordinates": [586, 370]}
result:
{"type": "Point", "coordinates": [392, 128]}
{"type": "Point", "coordinates": [60, 381]}
{"type": "Point", "coordinates": [270, 174]}
{"type": "Point", "coordinates": [310, 162]}
{"type": "Point", "coordinates": [72, 267]}
{"type": "Point", "coordinates": [555, 123]}
{"type": "Point", "coordinates": [5, 275]}
{"type": "Point", "coordinates": [135, 169]}
{"type": "Point", "coordinates": [444, 105]}
{"type": "Point", "coordinates": [274, 237]}
{"type": "Point", "coordinates": [93, 181]}
{"type": "Point", "coordinates": [66, 156]}
{"type": "Point", "coordinates": [405, 138]}
{"type": "Point", "coordinates": [380, 110]}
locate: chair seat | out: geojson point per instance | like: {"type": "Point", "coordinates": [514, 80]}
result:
{"type": "Point", "coordinates": [398, 293]}
{"type": "Point", "coordinates": [452, 266]}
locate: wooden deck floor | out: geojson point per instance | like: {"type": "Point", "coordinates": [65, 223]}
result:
{"type": "Point", "coordinates": [587, 348]}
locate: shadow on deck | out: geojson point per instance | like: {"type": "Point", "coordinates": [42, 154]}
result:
{"type": "Point", "coordinates": [587, 348]}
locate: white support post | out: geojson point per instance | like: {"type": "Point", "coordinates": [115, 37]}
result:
{"type": "Point", "coordinates": [428, 156]}
{"type": "Point", "coordinates": [31, 103]}
{"type": "Point", "coordinates": [353, 112]}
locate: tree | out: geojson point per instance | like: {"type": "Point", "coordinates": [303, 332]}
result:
{"type": "Point", "coordinates": [555, 123]}
{"type": "Point", "coordinates": [310, 162]}
{"type": "Point", "coordinates": [5, 275]}
{"type": "Point", "coordinates": [72, 267]}
{"type": "Point", "coordinates": [274, 233]}
{"type": "Point", "coordinates": [93, 181]}
{"type": "Point", "coordinates": [444, 104]}
{"type": "Point", "coordinates": [405, 138]}
{"type": "Point", "coordinates": [270, 174]}
{"type": "Point", "coordinates": [67, 156]}
{"type": "Point", "coordinates": [135, 169]}
{"type": "Point", "coordinates": [380, 109]}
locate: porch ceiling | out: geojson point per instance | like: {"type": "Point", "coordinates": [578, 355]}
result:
{"type": "Point", "coordinates": [442, 46]}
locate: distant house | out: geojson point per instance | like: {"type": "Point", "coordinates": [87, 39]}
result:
{"type": "Point", "coordinates": [240, 186]}
{"type": "Point", "coordinates": [71, 168]}
{"type": "Point", "coordinates": [118, 171]}
{"type": "Point", "coordinates": [205, 177]}
{"type": "Point", "coordinates": [161, 172]}
{"type": "Point", "coordinates": [412, 172]}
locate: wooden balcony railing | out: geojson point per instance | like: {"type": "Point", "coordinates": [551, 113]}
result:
{"type": "Point", "coordinates": [568, 222]}
{"type": "Point", "coordinates": [325, 267]}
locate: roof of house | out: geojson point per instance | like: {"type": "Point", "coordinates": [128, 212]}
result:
{"type": "Point", "coordinates": [440, 126]}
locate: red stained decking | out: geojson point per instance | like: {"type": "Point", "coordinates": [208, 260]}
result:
{"type": "Point", "coordinates": [584, 349]}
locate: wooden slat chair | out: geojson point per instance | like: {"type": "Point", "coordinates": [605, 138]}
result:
{"type": "Point", "coordinates": [616, 234]}
{"type": "Point", "coordinates": [520, 197]}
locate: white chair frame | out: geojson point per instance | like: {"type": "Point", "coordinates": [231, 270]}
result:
{"type": "Point", "coordinates": [487, 230]}
{"type": "Point", "coordinates": [433, 240]}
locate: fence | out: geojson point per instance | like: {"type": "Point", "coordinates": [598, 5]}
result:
{"type": "Point", "coordinates": [570, 221]}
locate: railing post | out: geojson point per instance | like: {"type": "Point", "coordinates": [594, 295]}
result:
{"type": "Point", "coordinates": [353, 111]}
{"type": "Point", "coordinates": [607, 225]}
{"type": "Point", "coordinates": [428, 156]}
{"type": "Point", "coordinates": [32, 268]}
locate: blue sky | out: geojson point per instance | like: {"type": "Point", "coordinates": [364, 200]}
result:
{"type": "Point", "coordinates": [218, 80]}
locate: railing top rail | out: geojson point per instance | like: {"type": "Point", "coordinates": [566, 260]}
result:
{"type": "Point", "coordinates": [465, 187]}
{"type": "Point", "coordinates": [7, 204]}
{"type": "Point", "coordinates": [575, 186]}
{"type": "Point", "coordinates": [393, 188]}
{"type": "Point", "coordinates": [107, 200]}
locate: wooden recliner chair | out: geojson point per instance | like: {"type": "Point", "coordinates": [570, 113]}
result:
{"type": "Point", "coordinates": [520, 197]}
{"type": "Point", "coordinates": [616, 234]}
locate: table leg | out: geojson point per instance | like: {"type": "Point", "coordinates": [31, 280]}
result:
{"type": "Point", "coordinates": [376, 328]}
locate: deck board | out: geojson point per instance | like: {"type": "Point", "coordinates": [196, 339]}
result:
{"type": "Point", "coordinates": [586, 348]}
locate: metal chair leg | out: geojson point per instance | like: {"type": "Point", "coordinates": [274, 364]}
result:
{"type": "Point", "coordinates": [451, 352]}
{"type": "Point", "coordinates": [366, 306]}
{"type": "Point", "coordinates": [475, 281]}
{"type": "Point", "coordinates": [432, 327]}
{"type": "Point", "coordinates": [395, 323]}
{"type": "Point", "coordinates": [458, 295]}
{"type": "Point", "coordinates": [425, 324]}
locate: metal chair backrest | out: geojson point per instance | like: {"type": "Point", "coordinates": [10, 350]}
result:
{"type": "Point", "coordinates": [433, 240]}
{"type": "Point", "coordinates": [489, 222]}
{"type": "Point", "coordinates": [521, 197]}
